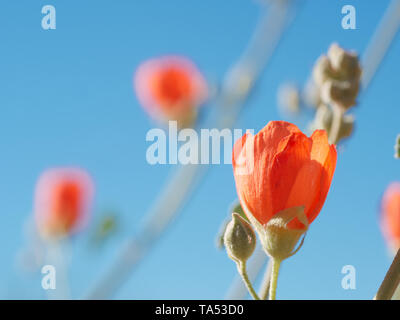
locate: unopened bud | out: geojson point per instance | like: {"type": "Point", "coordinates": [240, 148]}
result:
{"type": "Point", "coordinates": [344, 63]}
{"type": "Point", "coordinates": [239, 239]}
{"type": "Point", "coordinates": [346, 127]}
{"type": "Point", "coordinates": [343, 93]}
{"type": "Point", "coordinates": [338, 77]}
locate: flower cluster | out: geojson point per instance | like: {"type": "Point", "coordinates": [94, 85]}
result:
{"type": "Point", "coordinates": [337, 79]}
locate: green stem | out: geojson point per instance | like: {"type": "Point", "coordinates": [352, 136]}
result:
{"type": "Point", "coordinates": [274, 278]}
{"type": "Point", "coordinates": [242, 271]}
{"type": "Point", "coordinates": [266, 281]}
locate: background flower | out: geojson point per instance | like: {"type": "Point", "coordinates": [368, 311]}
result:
{"type": "Point", "coordinates": [170, 88]}
{"type": "Point", "coordinates": [62, 201]}
{"type": "Point", "coordinates": [390, 216]}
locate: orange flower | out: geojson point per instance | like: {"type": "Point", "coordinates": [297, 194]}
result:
{"type": "Point", "coordinates": [62, 201]}
{"type": "Point", "coordinates": [390, 215]}
{"type": "Point", "coordinates": [288, 169]}
{"type": "Point", "coordinates": [170, 88]}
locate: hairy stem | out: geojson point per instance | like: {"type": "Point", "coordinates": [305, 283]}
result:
{"type": "Point", "coordinates": [242, 271]}
{"type": "Point", "coordinates": [274, 278]}
{"type": "Point", "coordinates": [266, 281]}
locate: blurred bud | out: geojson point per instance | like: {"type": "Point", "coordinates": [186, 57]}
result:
{"type": "Point", "coordinates": [338, 77]}
{"type": "Point", "coordinates": [323, 120]}
{"type": "Point", "coordinates": [390, 216]}
{"type": "Point", "coordinates": [289, 99]}
{"type": "Point", "coordinates": [171, 88]}
{"type": "Point", "coordinates": [397, 148]}
{"type": "Point", "coordinates": [345, 64]}
{"type": "Point", "coordinates": [346, 127]}
{"type": "Point", "coordinates": [63, 200]}
{"type": "Point", "coordinates": [239, 239]}
{"type": "Point", "coordinates": [344, 92]}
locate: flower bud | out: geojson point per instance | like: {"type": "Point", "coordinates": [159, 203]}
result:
{"type": "Point", "coordinates": [239, 239]}
{"type": "Point", "coordinates": [343, 93]}
{"type": "Point", "coordinates": [278, 237]}
{"type": "Point", "coordinates": [344, 63]}
{"type": "Point", "coordinates": [338, 77]}
{"type": "Point", "coordinates": [346, 127]}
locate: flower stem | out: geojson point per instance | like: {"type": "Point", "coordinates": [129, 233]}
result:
{"type": "Point", "coordinates": [242, 271]}
{"type": "Point", "coordinates": [391, 281]}
{"type": "Point", "coordinates": [276, 263]}
{"type": "Point", "coordinates": [266, 281]}
{"type": "Point", "coordinates": [338, 112]}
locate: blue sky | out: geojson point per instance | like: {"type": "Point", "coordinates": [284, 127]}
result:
{"type": "Point", "coordinates": [66, 99]}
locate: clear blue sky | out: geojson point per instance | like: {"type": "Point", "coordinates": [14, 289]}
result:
{"type": "Point", "coordinates": [66, 98]}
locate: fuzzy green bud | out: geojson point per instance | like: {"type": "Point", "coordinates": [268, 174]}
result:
{"type": "Point", "coordinates": [239, 239]}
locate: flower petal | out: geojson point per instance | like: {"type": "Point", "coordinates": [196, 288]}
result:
{"type": "Point", "coordinates": [326, 179]}
{"type": "Point", "coordinates": [289, 172]}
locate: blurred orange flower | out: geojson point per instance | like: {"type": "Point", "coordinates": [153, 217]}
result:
{"type": "Point", "coordinates": [288, 169]}
{"type": "Point", "coordinates": [62, 201]}
{"type": "Point", "coordinates": [170, 88]}
{"type": "Point", "coordinates": [390, 215]}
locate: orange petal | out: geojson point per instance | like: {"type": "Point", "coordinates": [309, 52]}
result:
{"type": "Point", "coordinates": [320, 146]}
{"type": "Point", "coordinates": [289, 173]}
{"type": "Point", "coordinates": [328, 170]}
{"type": "Point", "coordinates": [253, 188]}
